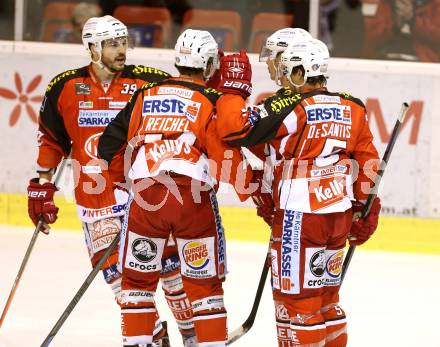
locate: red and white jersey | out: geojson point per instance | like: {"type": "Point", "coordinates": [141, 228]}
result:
{"type": "Point", "coordinates": [74, 113]}
{"type": "Point", "coordinates": [170, 126]}
{"type": "Point", "coordinates": [324, 140]}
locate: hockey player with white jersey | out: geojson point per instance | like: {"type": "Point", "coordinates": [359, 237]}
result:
{"type": "Point", "coordinates": [77, 106]}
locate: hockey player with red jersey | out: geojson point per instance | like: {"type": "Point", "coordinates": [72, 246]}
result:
{"type": "Point", "coordinates": [178, 161]}
{"type": "Point", "coordinates": [324, 141]}
{"type": "Point", "coordinates": [77, 106]}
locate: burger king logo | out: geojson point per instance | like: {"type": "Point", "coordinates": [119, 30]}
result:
{"type": "Point", "coordinates": [334, 264]}
{"type": "Point", "coordinates": [196, 254]}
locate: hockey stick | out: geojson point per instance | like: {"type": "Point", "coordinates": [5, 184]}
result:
{"type": "Point", "coordinates": [28, 251]}
{"type": "Point", "coordinates": [247, 325]}
{"type": "Point", "coordinates": [377, 180]}
{"type": "Point", "coordinates": [249, 322]}
{"type": "Point", "coordinates": [80, 292]}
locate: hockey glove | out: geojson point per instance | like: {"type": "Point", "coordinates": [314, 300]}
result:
{"type": "Point", "coordinates": [40, 202]}
{"type": "Point", "coordinates": [263, 200]}
{"type": "Point", "coordinates": [362, 228]}
{"type": "Point", "coordinates": [235, 74]}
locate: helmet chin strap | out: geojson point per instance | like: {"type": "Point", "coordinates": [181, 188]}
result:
{"type": "Point", "coordinates": [298, 85]}
{"type": "Point", "coordinates": [103, 66]}
{"type": "Point", "coordinates": [277, 75]}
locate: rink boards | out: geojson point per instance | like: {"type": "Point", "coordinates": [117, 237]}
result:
{"type": "Point", "coordinates": [399, 234]}
{"type": "Point", "coordinates": [411, 185]}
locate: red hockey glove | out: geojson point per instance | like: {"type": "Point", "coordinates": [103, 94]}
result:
{"type": "Point", "coordinates": [235, 74]}
{"type": "Point", "coordinates": [362, 229]}
{"type": "Point", "coordinates": [40, 202]}
{"type": "Point", "coordinates": [263, 200]}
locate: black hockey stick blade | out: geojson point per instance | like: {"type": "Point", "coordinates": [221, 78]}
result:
{"type": "Point", "coordinates": [27, 255]}
{"type": "Point", "coordinates": [80, 292]}
{"type": "Point", "coordinates": [247, 325]}
{"type": "Point", "coordinates": [380, 172]}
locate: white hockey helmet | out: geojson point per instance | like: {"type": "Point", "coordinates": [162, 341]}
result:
{"type": "Point", "coordinates": [280, 39]}
{"type": "Point", "coordinates": [312, 55]}
{"type": "Point", "coordinates": [98, 29]}
{"type": "Point", "coordinates": [195, 48]}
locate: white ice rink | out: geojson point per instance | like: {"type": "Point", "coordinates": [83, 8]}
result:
{"type": "Point", "coordinates": [390, 299]}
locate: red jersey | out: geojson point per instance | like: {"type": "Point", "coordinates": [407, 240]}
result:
{"type": "Point", "coordinates": [172, 127]}
{"type": "Point", "coordinates": [316, 134]}
{"type": "Point", "coordinates": [74, 113]}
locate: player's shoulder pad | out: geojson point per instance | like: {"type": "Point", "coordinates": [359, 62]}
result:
{"type": "Point", "coordinates": [145, 73]}
{"type": "Point", "coordinates": [350, 97]}
{"type": "Point", "coordinates": [141, 89]}
{"type": "Point", "coordinates": [282, 102]}
{"type": "Point", "coordinates": [148, 85]}
{"type": "Point", "coordinates": [210, 93]}
{"type": "Point", "coordinates": [57, 83]}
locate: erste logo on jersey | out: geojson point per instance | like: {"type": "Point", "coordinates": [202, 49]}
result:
{"type": "Point", "coordinates": [321, 113]}
{"type": "Point", "coordinates": [96, 118]}
{"type": "Point", "coordinates": [165, 105]}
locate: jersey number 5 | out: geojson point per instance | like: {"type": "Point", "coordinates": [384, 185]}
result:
{"type": "Point", "coordinates": [329, 154]}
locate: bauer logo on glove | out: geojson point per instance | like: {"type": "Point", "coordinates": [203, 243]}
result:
{"type": "Point", "coordinates": [40, 202]}
{"type": "Point", "coordinates": [246, 88]}
{"type": "Point", "coordinates": [234, 75]}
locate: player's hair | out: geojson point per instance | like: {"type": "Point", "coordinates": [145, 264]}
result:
{"type": "Point", "coordinates": [321, 79]}
{"type": "Point", "coordinates": [185, 70]}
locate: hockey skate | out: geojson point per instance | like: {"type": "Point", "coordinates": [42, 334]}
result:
{"type": "Point", "coordinates": [164, 341]}
{"type": "Point", "coordinates": [190, 341]}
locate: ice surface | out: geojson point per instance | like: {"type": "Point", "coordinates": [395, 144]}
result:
{"type": "Point", "coordinates": [390, 299]}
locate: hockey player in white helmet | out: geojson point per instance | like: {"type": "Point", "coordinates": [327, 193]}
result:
{"type": "Point", "coordinates": [100, 33]}
{"type": "Point", "coordinates": [197, 50]}
{"type": "Point", "coordinates": [304, 62]}
{"type": "Point", "coordinates": [276, 44]}
{"type": "Point", "coordinates": [318, 136]}
{"type": "Point", "coordinates": [78, 105]}
{"type": "Point", "coordinates": [180, 141]}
